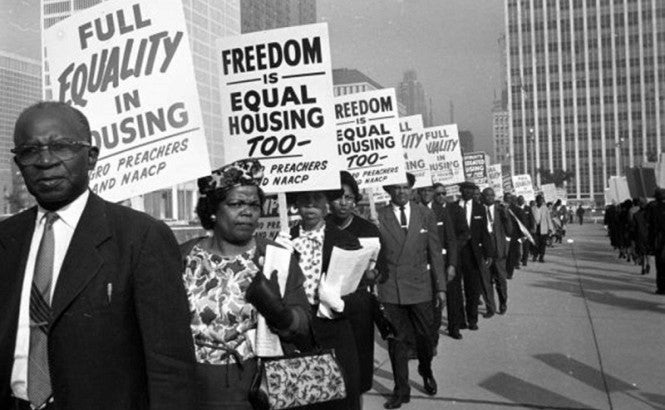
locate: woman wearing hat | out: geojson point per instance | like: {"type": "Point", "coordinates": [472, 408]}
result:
{"type": "Point", "coordinates": [313, 240]}
{"type": "Point", "coordinates": [227, 288]}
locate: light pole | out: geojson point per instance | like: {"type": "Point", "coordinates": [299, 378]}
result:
{"type": "Point", "coordinates": [532, 150]}
{"type": "Point", "coordinates": [619, 144]}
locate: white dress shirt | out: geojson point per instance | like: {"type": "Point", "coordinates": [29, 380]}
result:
{"type": "Point", "coordinates": [490, 223]}
{"type": "Point", "coordinates": [63, 230]}
{"type": "Point", "coordinates": [468, 207]}
{"type": "Point", "coordinates": [407, 211]}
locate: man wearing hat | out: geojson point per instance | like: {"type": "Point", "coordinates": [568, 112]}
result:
{"type": "Point", "coordinates": [415, 280]}
{"type": "Point", "coordinates": [476, 251]}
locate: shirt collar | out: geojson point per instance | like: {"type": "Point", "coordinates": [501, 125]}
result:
{"type": "Point", "coordinates": [407, 208]}
{"type": "Point", "coordinates": [70, 213]}
{"type": "Point", "coordinates": [314, 234]}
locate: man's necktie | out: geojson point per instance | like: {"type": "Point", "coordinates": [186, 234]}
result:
{"type": "Point", "coordinates": [39, 379]}
{"type": "Point", "coordinates": [402, 219]}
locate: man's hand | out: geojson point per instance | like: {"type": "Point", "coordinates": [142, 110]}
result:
{"type": "Point", "coordinates": [488, 262]}
{"type": "Point", "coordinates": [440, 299]}
{"type": "Point", "coordinates": [451, 272]}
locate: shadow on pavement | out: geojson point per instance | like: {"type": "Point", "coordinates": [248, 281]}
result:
{"type": "Point", "coordinates": [528, 394]}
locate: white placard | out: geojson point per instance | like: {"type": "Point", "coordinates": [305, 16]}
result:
{"type": "Point", "coordinates": [128, 67]}
{"type": "Point", "coordinates": [415, 152]}
{"type": "Point", "coordinates": [368, 137]}
{"type": "Point", "coordinates": [522, 186]}
{"type": "Point", "coordinates": [277, 106]}
{"type": "Point", "coordinates": [445, 154]}
{"type": "Point", "coordinates": [549, 192]}
{"type": "Point", "coordinates": [495, 179]}
{"type": "Point", "coordinates": [475, 168]}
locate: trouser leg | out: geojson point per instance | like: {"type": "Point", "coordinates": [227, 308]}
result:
{"type": "Point", "coordinates": [499, 276]}
{"type": "Point", "coordinates": [455, 303]}
{"type": "Point", "coordinates": [421, 321]}
{"type": "Point", "coordinates": [660, 271]}
{"type": "Point", "coordinates": [398, 347]}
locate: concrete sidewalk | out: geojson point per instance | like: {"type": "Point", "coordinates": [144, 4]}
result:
{"type": "Point", "coordinates": [583, 331]}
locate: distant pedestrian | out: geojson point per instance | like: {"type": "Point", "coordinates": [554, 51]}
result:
{"type": "Point", "coordinates": [580, 214]}
{"type": "Point", "coordinates": [527, 221]}
{"type": "Point", "coordinates": [542, 228]}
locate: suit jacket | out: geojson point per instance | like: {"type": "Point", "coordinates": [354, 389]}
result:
{"type": "Point", "coordinates": [546, 224]}
{"type": "Point", "coordinates": [133, 350]}
{"type": "Point", "coordinates": [528, 218]}
{"type": "Point", "coordinates": [447, 236]}
{"type": "Point", "coordinates": [501, 229]}
{"type": "Point", "coordinates": [519, 214]}
{"type": "Point", "coordinates": [406, 257]}
{"type": "Point", "coordinates": [478, 235]}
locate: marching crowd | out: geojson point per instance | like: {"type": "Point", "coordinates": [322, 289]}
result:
{"type": "Point", "coordinates": [102, 309]}
{"type": "Point", "coordinates": [636, 229]}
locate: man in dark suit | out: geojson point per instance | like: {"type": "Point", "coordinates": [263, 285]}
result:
{"type": "Point", "coordinates": [454, 297]}
{"type": "Point", "coordinates": [656, 218]}
{"type": "Point", "coordinates": [500, 227]}
{"type": "Point", "coordinates": [448, 240]}
{"type": "Point", "coordinates": [409, 243]}
{"type": "Point", "coordinates": [476, 251]}
{"type": "Point", "coordinates": [93, 313]}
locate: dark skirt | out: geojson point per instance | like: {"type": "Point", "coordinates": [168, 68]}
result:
{"type": "Point", "coordinates": [337, 334]}
{"type": "Point", "coordinates": [222, 387]}
{"type": "Point", "coordinates": [362, 326]}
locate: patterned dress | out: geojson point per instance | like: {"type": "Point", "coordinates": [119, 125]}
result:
{"type": "Point", "coordinates": [220, 315]}
{"type": "Point", "coordinates": [310, 246]}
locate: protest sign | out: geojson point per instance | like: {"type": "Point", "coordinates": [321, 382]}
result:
{"type": "Point", "coordinates": [549, 192]}
{"type": "Point", "coordinates": [523, 186]}
{"type": "Point", "coordinates": [269, 223]}
{"type": "Point", "coordinates": [444, 154]}
{"type": "Point", "coordinates": [562, 194]}
{"type": "Point", "coordinates": [495, 179]}
{"type": "Point", "coordinates": [415, 152]}
{"type": "Point", "coordinates": [508, 183]}
{"type": "Point", "coordinates": [277, 106]}
{"type": "Point", "coordinates": [128, 67]}
{"type": "Point", "coordinates": [475, 168]}
{"type": "Point", "coordinates": [368, 137]}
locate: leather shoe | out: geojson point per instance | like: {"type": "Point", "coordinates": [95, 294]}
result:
{"type": "Point", "coordinates": [489, 314]}
{"type": "Point", "coordinates": [473, 326]}
{"type": "Point", "coordinates": [503, 309]}
{"type": "Point", "coordinates": [463, 326]}
{"type": "Point", "coordinates": [395, 402]}
{"type": "Point", "coordinates": [455, 334]}
{"type": "Point", "coordinates": [430, 385]}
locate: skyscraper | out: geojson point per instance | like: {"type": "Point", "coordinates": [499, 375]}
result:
{"type": "Point", "coordinates": [258, 15]}
{"type": "Point", "coordinates": [410, 93]}
{"type": "Point", "coordinates": [585, 81]}
{"type": "Point", "coordinates": [20, 86]}
{"type": "Point", "coordinates": [350, 81]}
{"type": "Point", "coordinates": [207, 20]}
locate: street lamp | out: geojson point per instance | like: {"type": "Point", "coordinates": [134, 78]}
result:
{"type": "Point", "coordinates": [619, 145]}
{"type": "Point", "coordinates": [532, 140]}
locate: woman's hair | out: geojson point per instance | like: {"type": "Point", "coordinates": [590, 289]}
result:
{"type": "Point", "coordinates": [208, 205]}
{"type": "Point", "coordinates": [346, 179]}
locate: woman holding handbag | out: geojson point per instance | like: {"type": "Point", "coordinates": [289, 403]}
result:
{"type": "Point", "coordinates": [227, 288]}
{"type": "Point", "coordinates": [313, 240]}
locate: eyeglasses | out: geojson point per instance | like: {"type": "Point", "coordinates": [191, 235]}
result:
{"type": "Point", "coordinates": [63, 150]}
{"type": "Point", "coordinates": [440, 194]}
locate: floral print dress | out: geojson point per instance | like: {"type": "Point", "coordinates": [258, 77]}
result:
{"type": "Point", "coordinates": [220, 315]}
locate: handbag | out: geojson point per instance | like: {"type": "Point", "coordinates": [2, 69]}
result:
{"type": "Point", "coordinates": [296, 380]}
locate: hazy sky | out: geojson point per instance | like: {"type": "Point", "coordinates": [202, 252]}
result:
{"type": "Point", "coordinates": [452, 44]}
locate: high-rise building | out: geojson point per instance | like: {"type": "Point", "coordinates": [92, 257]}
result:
{"type": "Point", "coordinates": [410, 93]}
{"type": "Point", "coordinates": [351, 81]}
{"type": "Point", "coordinates": [466, 141]}
{"type": "Point", "coordinates": [258, 15]}
{"type": "Point", "coordinates": [586, 89]}
{"type": "Point", "coordinates": [20, 86]}
{"type": "Point", "coordinates": [207, 20]}
{"type": "Point", "coordinates": [500, 128]}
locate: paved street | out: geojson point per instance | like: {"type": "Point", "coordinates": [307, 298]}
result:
{"type": "Point", "coordinates": [583, 331]}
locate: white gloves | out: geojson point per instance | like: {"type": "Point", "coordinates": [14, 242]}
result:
{"type": "Point", "coordinates": [284, 238]}
{"type": "Point", "coordinates": [330, 297]}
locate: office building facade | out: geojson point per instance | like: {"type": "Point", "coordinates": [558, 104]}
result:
{"type": "Point", "coordinates": [410, 92]}
{"type": "Point", "coordinates": [20, 86]}
{"type": "Point", "coordinates": [258, 15]}
{"type": "Point", "coordinates": [351, 81]}
{"type": "Point", "coordinates": [585, 81]}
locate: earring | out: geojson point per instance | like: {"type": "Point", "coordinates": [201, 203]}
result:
{"type": "Point", "coordinates": [213, 217]}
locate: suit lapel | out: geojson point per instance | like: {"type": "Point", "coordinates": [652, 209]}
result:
{"type": "Point", "coordinates": [391, 224]}
{"type": "Point", "coordinates": [82, 260]}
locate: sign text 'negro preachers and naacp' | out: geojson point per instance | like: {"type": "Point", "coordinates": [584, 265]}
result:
{"type": "Point", "coordinates": [367, 137]}
{"type": "Point", "coordinates": [277, 106]}
{"type": "Point", "coordinates": [128, 67]}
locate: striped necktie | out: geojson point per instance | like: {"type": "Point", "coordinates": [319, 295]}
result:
{"type": "Point", "coordinates": [39, 379]}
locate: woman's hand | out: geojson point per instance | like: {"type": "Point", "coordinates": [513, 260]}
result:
{"type": "Point", "coordinates": [284, 238]}
{"type": "Point", "coordinates": [265, 296]}
{"type": "Point", "coordinates": [330, 297]}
